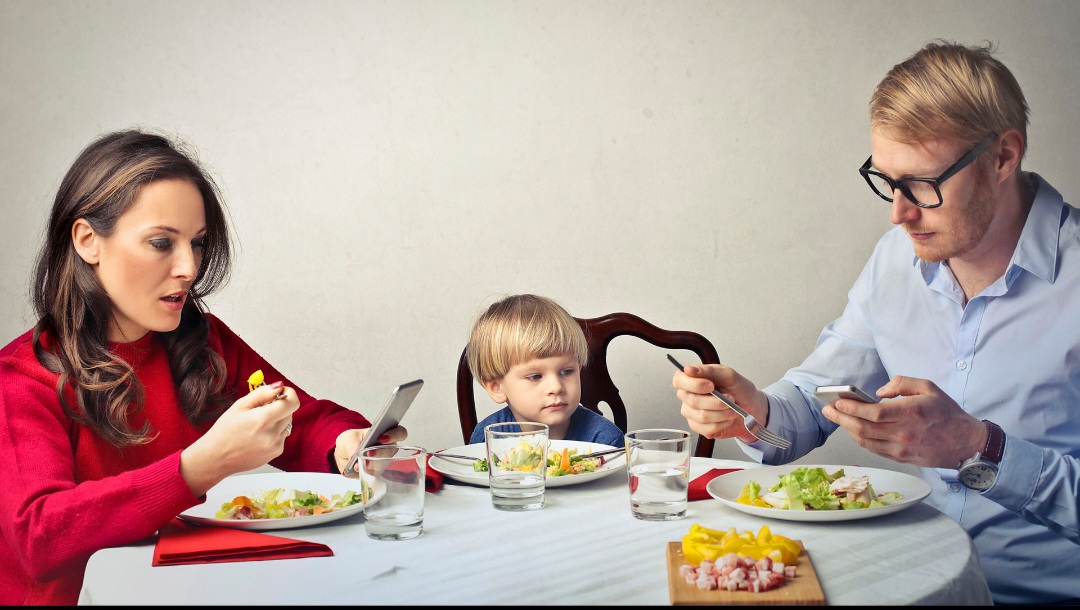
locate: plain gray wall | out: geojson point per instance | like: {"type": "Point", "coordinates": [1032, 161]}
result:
{"type": "Point", "coordinates": [393, 167]}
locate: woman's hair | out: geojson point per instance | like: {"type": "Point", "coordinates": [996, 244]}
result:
{"type": "Point", "coordinates": [74, 311]}
{"type": "Point", "coordinates": [948, 90]}
{"type": "Point", "coordinates": [520, 328]}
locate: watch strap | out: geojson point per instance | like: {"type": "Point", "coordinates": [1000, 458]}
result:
{"type": "Point", "coordinates": [995, 443]}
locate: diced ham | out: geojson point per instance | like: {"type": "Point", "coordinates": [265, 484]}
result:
{"type": "Point", "coordinates": [733, 572]}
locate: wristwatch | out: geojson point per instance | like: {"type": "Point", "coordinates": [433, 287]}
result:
{"type": "Point", "coordinates": [979, 471]}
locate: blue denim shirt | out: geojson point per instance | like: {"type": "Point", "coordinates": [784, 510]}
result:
{"type": "Point", "coordinates": [1011, 355]}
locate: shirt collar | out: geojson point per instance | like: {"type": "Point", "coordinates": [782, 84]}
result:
{"type": "Point", "coordinates": [1037, 250]}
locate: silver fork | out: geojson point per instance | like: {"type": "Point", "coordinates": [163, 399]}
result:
{"type": "Point", "coordinates": [753, 426]}
{"type": "Point", "coordinates": [451, 456]}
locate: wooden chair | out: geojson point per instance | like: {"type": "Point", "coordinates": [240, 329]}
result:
{"type": "Point", "coordinates": [596, 383]}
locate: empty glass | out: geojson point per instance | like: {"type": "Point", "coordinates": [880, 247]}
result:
{"type": "Point", "coordinates": [400, 471]}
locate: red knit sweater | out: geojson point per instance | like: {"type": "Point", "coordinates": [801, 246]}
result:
{"type": "Point", "coordinates": [65, 493]}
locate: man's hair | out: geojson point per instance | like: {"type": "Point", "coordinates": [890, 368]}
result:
{"type": "Point", "coordinates": [951, 91]}
{"type": "Point", "coordinates": [520, 328]}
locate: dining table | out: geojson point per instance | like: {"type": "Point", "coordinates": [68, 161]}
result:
{"type": "Point", "coordinates": [582, 547]}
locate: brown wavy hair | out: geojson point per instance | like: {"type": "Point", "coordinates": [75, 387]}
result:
{"type": "Point", "coordinates": [74, 311]}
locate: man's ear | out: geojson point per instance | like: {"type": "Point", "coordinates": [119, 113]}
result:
{"type": "Point", "coordinates": [495, 390]}
{"type": "Point", "coordinates": [1010, 152]}
{"type": "Point", "coordinates": [85, 240]}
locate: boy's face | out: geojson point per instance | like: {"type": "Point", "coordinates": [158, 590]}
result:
{"type": "Point", "coordinates": [545, 390]}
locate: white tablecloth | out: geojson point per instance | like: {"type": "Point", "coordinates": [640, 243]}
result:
{"type": "Point", "coordinates": [584, 547]}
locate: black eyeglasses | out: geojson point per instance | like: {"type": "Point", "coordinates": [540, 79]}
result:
{"type": "Point", "coordinates": [923, 192]}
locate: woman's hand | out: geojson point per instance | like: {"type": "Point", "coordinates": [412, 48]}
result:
{"type": "Point", "coordinates": [248, 434]}
{"type": "Point", "coordinates": [349, 440]}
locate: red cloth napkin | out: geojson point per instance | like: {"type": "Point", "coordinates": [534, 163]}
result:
{"type": "Point", "coordinates": [433, 480]}
{"type": "Point", "coordinates": [697, 486]}
{"type": "Point", "coordinates": [180, 542]}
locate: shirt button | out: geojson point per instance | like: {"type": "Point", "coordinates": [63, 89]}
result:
{"type": "Point", "coordinates": [954, 487]}
{"type": "Point", "coordinates": [961, 365]}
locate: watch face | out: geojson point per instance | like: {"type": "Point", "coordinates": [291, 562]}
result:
{"type": "Point", "coordinates": [978, 476]}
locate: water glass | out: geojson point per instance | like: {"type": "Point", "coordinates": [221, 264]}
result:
{"type": "Point", "coordinates": [517, 464]}
{"type": "Point", "coordinates": [400, 470]}
{"type": "Point", "coordinates": [658, 471]}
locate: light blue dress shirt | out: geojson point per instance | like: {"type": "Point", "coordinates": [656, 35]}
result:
{"type": "Point", "coordinates": [1011, 356]}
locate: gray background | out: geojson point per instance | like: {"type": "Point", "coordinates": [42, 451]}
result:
{"type": "Point", "coordinates": [391, 168]}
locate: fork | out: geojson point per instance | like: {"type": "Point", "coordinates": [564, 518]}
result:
{"type": "Point", "coordinates": [753, 426]}
{"type": "Point", "coordinates": [456, 457]}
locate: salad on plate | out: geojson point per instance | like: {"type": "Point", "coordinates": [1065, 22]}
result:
{"type": "Point", "coordinates": [527, 457]}
{"type": "Point", "coordinates": [284, 503]}
{"type": "Point", "coordinates": [815, 489]}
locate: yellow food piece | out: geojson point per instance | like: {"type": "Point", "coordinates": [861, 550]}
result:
{"type": "Point", "coordinates": [703, 543]}
{"type": "Point", "coordinates": [745, 499]}
{"type": "Point", "coordinates": [255, 380]}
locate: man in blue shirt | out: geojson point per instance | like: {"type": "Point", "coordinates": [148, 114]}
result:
{"type": "Point", "coordinates": [964, 322]}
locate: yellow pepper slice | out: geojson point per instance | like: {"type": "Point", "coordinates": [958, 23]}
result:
{"type": "Point", "coordinates": [255, 380]}
{"type": "Point", "coordinates": [703, 543]}
{"type": "Point", "coordinates": [701, 529]}
{"type": "Point", "coordinates": [745, 499]}
{"type": "Point", "coordinates": [698, 548]}
{"type": "Point", "coordinates": [764, 535]}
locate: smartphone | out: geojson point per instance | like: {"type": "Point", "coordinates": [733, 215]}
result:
{"type": "Point", "coordinates": [390, 416]}
{"type": "Point", "coordinates": [830, 393]}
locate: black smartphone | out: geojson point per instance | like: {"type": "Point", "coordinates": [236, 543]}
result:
{"type": "Point", "coordinates": [390, 416]}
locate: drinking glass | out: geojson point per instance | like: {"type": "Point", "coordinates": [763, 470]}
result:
{"type": "Point", "coordinates": [399, 513]}
{"type": "Point", "coordinates": [658, 472]}
{"type": "Point", "coordinates": [517, 464]}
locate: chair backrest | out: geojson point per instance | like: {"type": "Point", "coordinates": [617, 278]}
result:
{"type": "Point", "coordinates": [596, 383]}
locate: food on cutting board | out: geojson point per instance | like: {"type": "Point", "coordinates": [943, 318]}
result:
{"type": "Point", "coordinates": [738, 561]}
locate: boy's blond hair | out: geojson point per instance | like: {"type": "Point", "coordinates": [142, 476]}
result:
{"type": "Point", "coordinates": [520, 328]}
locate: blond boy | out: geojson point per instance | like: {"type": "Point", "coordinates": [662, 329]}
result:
{"type": "Point", "coordinates": [528, 352]}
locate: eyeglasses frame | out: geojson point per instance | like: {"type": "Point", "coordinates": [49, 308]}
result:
{"type": "Point", "coordinates": [964, 161]}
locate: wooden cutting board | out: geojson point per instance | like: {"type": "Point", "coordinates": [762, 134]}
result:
{"type": "Point", "coordinates": [803, 590]}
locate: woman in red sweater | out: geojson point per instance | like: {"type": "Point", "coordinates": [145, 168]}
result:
{"type": "Point", "coordinates": [128, 400]}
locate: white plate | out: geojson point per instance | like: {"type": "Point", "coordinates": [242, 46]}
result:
{"type": "Point", "coordinates": [460, 470]}
{"type": "Point", "coordinates": [727, 487]}
{"type": "Point", "coordinates": [323, 483]}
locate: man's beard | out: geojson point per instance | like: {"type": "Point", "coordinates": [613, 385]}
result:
{"type": "Point", "coordinates": [965, 232]}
